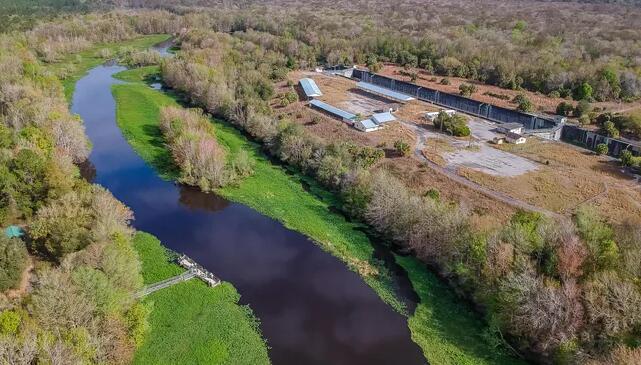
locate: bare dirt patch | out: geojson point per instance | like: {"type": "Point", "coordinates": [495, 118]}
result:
{"type": "Point", "coordinates": [567, 177]}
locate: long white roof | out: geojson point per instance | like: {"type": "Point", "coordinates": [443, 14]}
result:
{"type": "Point", "coordinates": [310, 88]}
{"type": "Point", "coordinates": [332, 109]}
{"type": "Point", "coordinates": [383, 91]}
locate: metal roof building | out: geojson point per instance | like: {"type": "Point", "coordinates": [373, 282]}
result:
{"type": "Point", "coordinates": [310, 88]}
{"type": "Point", "coordinates": [381, 91]}
{"type": "Point", "coordinates": [345, 116]}
{"type": "Point", "coordinates": [366, 125]}
{"type": "Point", "coordinates": [382, 118]}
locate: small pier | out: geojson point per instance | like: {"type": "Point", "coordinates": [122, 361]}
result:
{"type": "Point", "coordinates": [193, 270]}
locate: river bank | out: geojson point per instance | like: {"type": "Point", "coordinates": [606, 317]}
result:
{"type": "Point", "coordinates": [191, 322]}
{"type": "Point", "coordinates": [278, 193]}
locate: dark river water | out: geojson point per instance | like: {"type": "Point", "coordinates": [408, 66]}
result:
{"type": "Point", "coordinates": [313, 310]}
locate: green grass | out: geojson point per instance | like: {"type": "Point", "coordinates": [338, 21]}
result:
{"type": "Point", "coordinates": [137, 115]}
{"type": "Point", "coordinates": [140, 74]}
{"type": "Point", "coordinates": [192, 323]}
{"type": "Point", "coordinates": [446, 329]}
{"type": "Point", "coordinates": [74, 66]}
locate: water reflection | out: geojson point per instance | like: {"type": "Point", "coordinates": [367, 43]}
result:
{"type": "Point", "coordinates": [313, 310]}
{"type": "Point", "coordinates": [193, 198]}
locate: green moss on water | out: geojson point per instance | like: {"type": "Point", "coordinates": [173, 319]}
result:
{"type": "Point", "coordinates": [444, 327]}
{"type": "Point", "coordinates": [192, 323]}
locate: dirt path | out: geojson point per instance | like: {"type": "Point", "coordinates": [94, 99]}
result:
{"type": "Point", "coordinates": [421, 138]}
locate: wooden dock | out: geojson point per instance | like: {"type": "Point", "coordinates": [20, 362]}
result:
{"type": "Point", "coordinates": [193, 270]}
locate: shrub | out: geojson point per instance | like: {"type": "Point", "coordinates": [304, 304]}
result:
{"type": "Point", "coordinates": [242, 164]}
{"type": "Point", "coordinates": [564, 109]}
{"type": "Point", "coordinates": [613, 305]}
{"type": "Point", "coordinates": [628, 159]}
{"type": "Point", "coordinates": [288, 98]}
{"type": "Point", "coordinates": [583, 107]}
{"type": "Point", "coordinates": [467, 89]}
{"type": "Point", "coordinates": [601, 149]}
{"type": "Point", "coordinates": [498, 96]}
{"type": "Point", "coordinates": [524, 104]}
{"type": "Point", "coordinates": [583, 92]}
{"type": "Point", "coordinates": [455, 124]}
{"type": "Point", "coordinates": [402, 148]}
{"type": "Point", "coordinates": [584, 120]}
{"type": "Point", "coordinates": [194, 148]}
{"type": "Point", "coordinates": [610, 130]}
{"type": "Point", "coordinates": [9, 322]}
{"type": "Point", "coordinates": [445, 81]}
{"type": "Point", "coordinates": [433, 194]}
{"type": "Point", "coordinates": [13, 261]}
{"type": "Point", "coordinates": [603, 252]}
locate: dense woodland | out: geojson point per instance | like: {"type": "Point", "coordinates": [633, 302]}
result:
{"type": "Point", "coordinates": [551, 290]}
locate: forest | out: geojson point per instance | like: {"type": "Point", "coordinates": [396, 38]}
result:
{"type": "Point", "coordinates": [562, 291]}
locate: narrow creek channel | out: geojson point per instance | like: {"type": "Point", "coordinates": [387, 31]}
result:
{"type": "Point", "coordinates": [312, 308]}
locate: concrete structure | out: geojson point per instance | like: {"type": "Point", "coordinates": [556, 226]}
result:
{"type": "Point", "coordinates": [511, 128]}
{"type": "Point", "coordinates": [590, 139]}
{"type": "Point", "coordinates": [543, 126]}
{"type": "Point", "coordinates": [343, 115]}
{"type": "Point", "coordinates": [382, 118]}
{"type": "Point", "coordinates": [515, 138]}
{"type": "Point", "coordinates": [310, 88]}
{"type": "Point", "coordinates": [386, 93]}
{"type": "Point", "coordinates": [391, 107]}
{"type": "Point", "coordinates": [366, 125]}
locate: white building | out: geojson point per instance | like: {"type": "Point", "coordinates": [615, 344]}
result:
{"type": "Point", "coordinates": [511, 128]}
{"type": "Point", "coordinates": [382, 118]}
{"type": "Point", "coordinates": [310, 88]}
{"type": "Point", "coordinates": [515, 138]}
{"type": "Point", "coordinates": [366, 125]}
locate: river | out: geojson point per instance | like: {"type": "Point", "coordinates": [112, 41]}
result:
{"type": "Point", "coordinates": [312, 308]}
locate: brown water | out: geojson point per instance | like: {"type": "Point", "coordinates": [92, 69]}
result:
{"type": "Point", "coordinates": [313, 310]}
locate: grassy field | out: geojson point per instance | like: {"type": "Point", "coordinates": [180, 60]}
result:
{"type": "Point", "coordinates": [273, 191]}
{"type": "Point", "coordinates": [72, 67]}
{"type": "Point", "coordinates": [192, 323]}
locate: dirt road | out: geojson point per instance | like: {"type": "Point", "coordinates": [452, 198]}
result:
{"type": "Point", "coordinates": [421, 134]}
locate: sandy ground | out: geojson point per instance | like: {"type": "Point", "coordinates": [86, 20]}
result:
{"type": "Point", "coordinates": [566, 178]}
